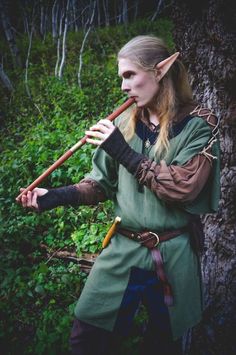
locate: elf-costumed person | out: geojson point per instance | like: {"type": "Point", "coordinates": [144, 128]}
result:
{"type": "Point", "coordinates": [159, 164]}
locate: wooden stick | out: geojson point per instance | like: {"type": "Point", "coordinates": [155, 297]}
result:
{"type": "Point", "coordinates": [73, 149]}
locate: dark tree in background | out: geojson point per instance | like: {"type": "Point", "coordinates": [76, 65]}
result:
{"type": "Point", "coordinates": [205, 35]}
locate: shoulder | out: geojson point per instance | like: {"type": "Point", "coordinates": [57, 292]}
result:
{"type": "Point", "coordinates": [212, 123]}
{"type": "Point", "coordinates": [207, 115]}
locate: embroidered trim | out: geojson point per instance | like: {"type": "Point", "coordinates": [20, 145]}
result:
{"type": "Point", "coordinates": [206, 114]}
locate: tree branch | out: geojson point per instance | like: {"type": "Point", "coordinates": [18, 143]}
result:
{"type": "Point", "coordinates": [85, 262]}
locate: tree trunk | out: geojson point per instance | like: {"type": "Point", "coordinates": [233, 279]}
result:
{"type": "Point", "coordinates": [42, 21]}
{"type": "Point", "coordinates": [136, 5]}
{"type": "Point", "coordinates": [55, 10]}
{"type": "Point", "coordinates": [106, 12]}
{"type": "Point", "coordinates": [63, 58]}
{"type": "Point", "coordinates": [5, 20]}
{"type": "Point", "coordinates": [125, 12]}
{"type": "Point", "coordinates": [74, 16]}
{"type": "Point", "coordinates": [5, 79]}
{"type": "Point", "coordinates": [204, 36]}
{"type": "Point", "coordinates": [98, 13]}
{"type": "Point", "coordinates": [61, 16]}
{"type": "Point", "coordinates": [88, 29]}
{"type": "Point", "coordinates": [159, 4]}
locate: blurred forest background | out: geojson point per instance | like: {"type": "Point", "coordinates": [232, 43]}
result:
{"type": "Point", "coordinates": [58, 74]}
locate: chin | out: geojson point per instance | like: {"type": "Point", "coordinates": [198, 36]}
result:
{"type": "Point", "coordinates": [140, 104]}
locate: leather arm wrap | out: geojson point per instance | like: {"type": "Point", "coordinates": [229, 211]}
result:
{"type": "Point", "coordinates": [116, 146]}
{"type": "Point", "coordinates": [87, 192]}
{"type": "Point", "coordinates": [61, 196]}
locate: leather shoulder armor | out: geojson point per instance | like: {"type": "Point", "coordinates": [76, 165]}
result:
{"type": "Point", "coordinates": [208, 115]}
{"type": "Point", "coordinates": [213, 122]}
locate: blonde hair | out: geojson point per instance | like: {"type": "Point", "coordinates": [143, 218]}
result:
{"type": "Point", "coordinates": [146, 52]}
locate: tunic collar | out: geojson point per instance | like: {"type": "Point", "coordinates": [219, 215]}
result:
{"type": "Point", "coordinates": [147, 130]}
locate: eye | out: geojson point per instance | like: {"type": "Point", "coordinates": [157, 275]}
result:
{"type": "Point", "coordinates": [128, 74]}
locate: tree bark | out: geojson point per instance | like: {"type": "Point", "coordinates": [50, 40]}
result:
{"type": "Point", "coordinates": [204, 36]}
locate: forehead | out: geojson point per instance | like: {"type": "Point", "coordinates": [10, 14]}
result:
{"type": "Point", "coordinates": [125, 65]}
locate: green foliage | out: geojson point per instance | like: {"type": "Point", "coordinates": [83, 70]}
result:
{"type": "Point", "coordinates": [38, 291]}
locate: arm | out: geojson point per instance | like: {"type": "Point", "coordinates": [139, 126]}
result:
{"type": "Point", "coordinates": [87, 192]}
{"type": "Point", "coordinates": [184, 178]}
{"type": "Point", "coordinates": [174, 182]}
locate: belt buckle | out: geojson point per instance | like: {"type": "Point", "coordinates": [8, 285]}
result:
{"type": "Point", "coordinates": [157, 238]}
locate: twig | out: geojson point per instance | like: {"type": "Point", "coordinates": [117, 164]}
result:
{"type": "Point", "coordinates": [86, 261]}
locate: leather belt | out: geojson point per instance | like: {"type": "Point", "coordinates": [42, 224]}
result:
{"type": "Point", "coordinates": [151, 239]}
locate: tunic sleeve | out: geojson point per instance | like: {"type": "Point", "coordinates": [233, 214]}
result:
{"type": "Point", "coordinates": [104, 173]}
{"type": "Point", "coordinates": [174, 182]}
{"type": "Point", "coordinates": [183, 178]}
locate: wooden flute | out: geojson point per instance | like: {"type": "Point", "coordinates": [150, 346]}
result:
{"type": "Point", "coordinates": [73, 149]}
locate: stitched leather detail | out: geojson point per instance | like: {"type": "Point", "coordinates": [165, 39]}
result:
{"type": "Point", "coordinates": [214, 122]}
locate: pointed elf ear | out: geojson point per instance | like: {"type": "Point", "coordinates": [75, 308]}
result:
{"type": "Point", "coordinates": [164, 65]}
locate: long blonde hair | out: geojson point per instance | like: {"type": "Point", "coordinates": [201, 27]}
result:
{"type": "Point", "coordinates": [146, 51]}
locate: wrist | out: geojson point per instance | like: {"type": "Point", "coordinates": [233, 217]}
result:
{"type": "Point", "coordinates": [63, 196]}
{"type": "Point", "coordinates": [116, 146]}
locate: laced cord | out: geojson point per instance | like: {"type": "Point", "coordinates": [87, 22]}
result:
{"type": "Point", "coordinates": [207, 115]}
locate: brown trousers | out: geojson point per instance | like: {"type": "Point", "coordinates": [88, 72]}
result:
{"type": "Point", "coordinates": [86, 339]}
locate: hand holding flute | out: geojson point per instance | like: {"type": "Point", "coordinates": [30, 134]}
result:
{"type": "Point", "coordinates": [100, 131]}
{"type": "Point", "coordinates": [29, 199]}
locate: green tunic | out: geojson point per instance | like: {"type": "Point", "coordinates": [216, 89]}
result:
{"type": "Point", "coordinates": [102, 295]}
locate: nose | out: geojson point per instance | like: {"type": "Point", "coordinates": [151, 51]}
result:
{"type": "Point", "coordinates": [124, 86]}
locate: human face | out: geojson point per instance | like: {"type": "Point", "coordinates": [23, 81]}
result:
{"type": "Point", "coordinates": [137, 83]}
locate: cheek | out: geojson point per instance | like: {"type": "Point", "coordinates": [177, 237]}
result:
{"type": "Point", "coordinates": [152, 87]}
{"type": "Point", "coordinates": [147, 83]}
{"type": "Point", "coordinates": [140, 81]}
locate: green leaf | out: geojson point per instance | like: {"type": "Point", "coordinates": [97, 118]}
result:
{"type": "Point", "coordinates": [43, 268]}
{"type": "Point", "coordinates": [40, 289]}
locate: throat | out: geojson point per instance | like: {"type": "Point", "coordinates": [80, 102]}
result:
{"type": "Point", "coordinates": [150, 119]}
{"type": "Point", "coordinates": [153, 119]}
{"type": "Point", "coordinates": [152, 115]}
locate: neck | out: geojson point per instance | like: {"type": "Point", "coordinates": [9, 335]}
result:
{"type": "Point", "coordinates": [153, 118]}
